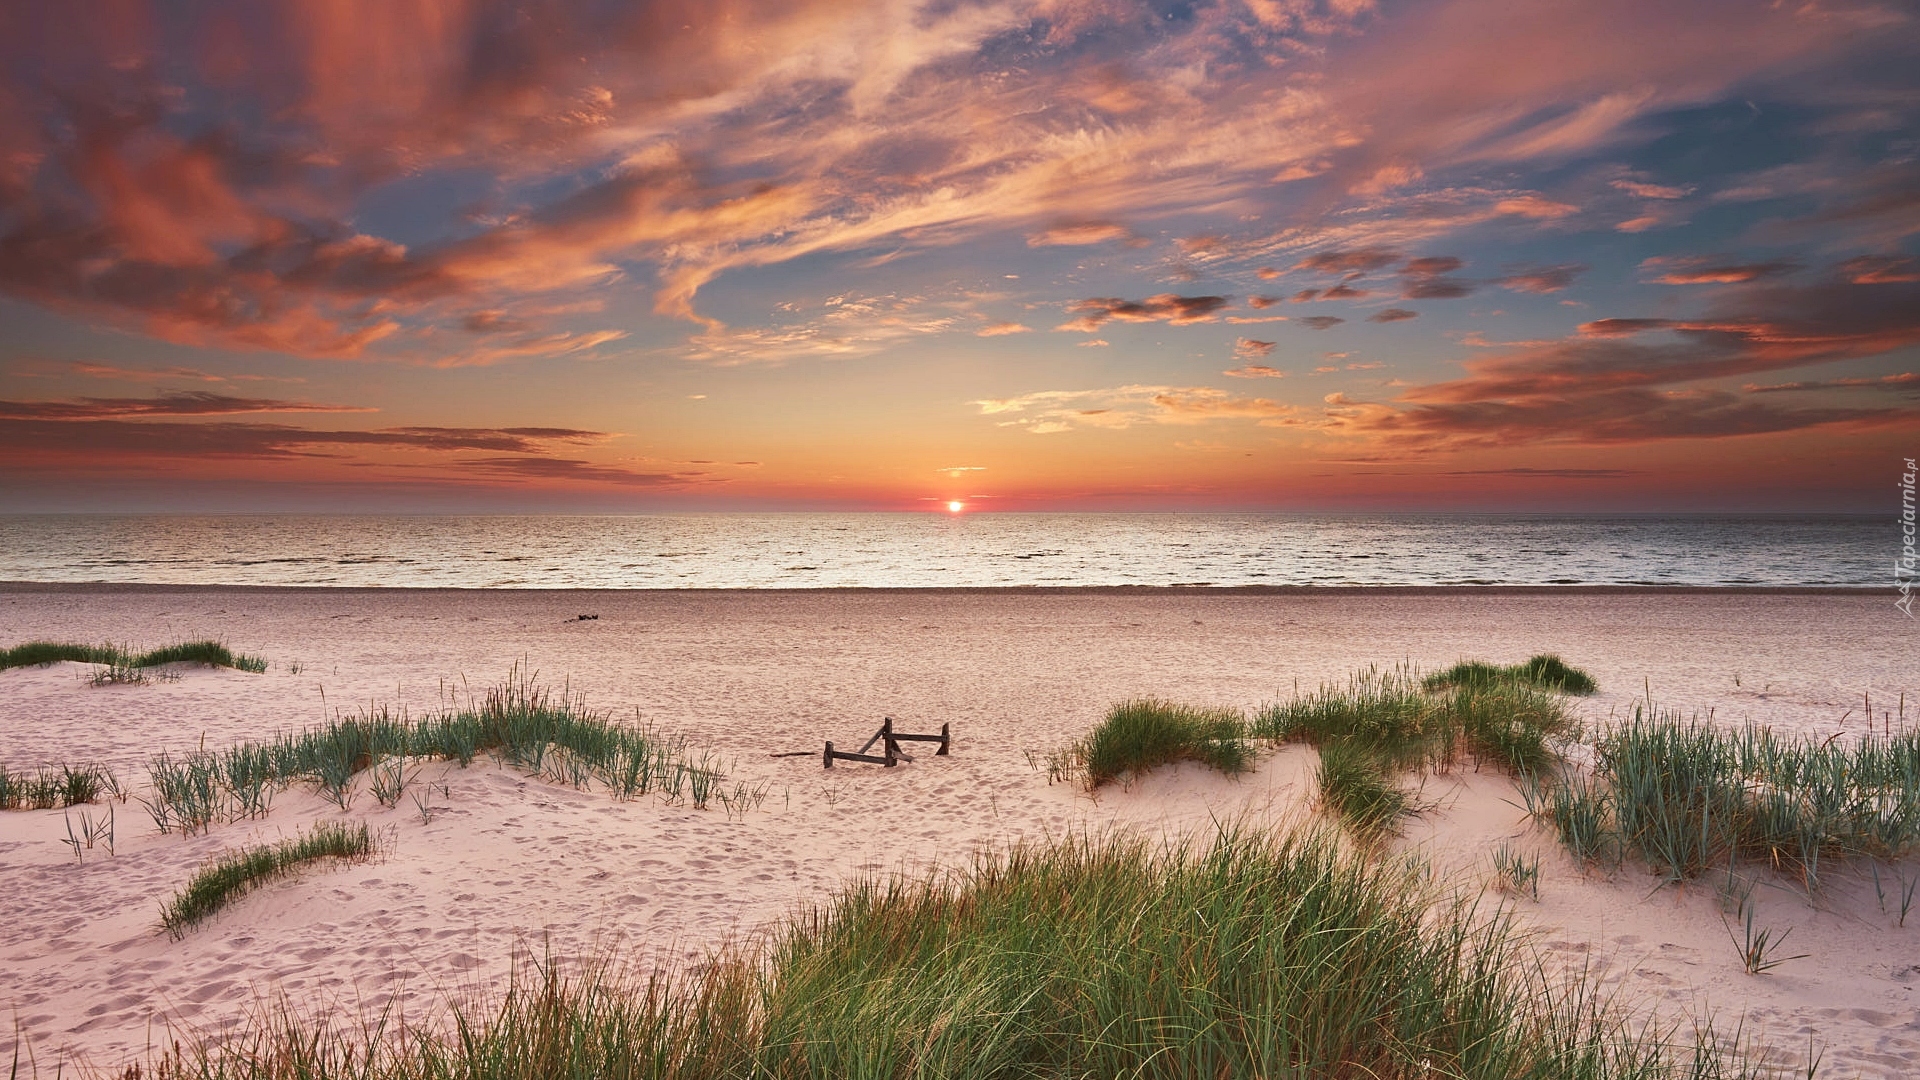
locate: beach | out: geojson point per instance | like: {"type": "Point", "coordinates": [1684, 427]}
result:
{"type": "Point", "coordinates": [498, 864]}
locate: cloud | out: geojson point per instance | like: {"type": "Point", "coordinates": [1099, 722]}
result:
{"type": "Point", "coordinates": [1902, 381]}
{"type": "Point", "coordinates": [1423, 279]}
{"type": "Point", "coordinates": [1436, 289]}
{"type": "Point", "coordinates": [1001, 329]}
{"type": "Point", "coordinates": [1535, 207]}
{"type": "Point", "coordinates": [1321, 322]}
{"type": "Point", "coordinates": [215, 180]}
{"type": "Point", "coordinates": [844, 326]}
{"type": "Point", "coordinates": [1089, 232]}
{"type": "Point", "coordinates": [1610, 417]}
{"type": "Point", "coordinates": [1623, 327]}
{"type": "Point", "coordinates": [1165, 307]}
{"type": "Point", "coordinates": [1050, 412]}
{"type": "Point", "coordinates": [1638, 224]}
{"type": "Point", "coordinates": [1706, 271]}
{"type": "Point", "coordinates": [1262, 302]}
{"type": "Point", "coordinates": [180, 403]}
{"type": "Point", "coordinates": [1652, 191]}
{"type": "Point", "coordinates": [1356, 261]}
{"type": "Point", "coordinates": [1248, 347]}
{"type": "Point", "coordinates": [1605, 387]}
{"type": "Point", "coordinates": [1551, 474]}
{"type": "Point", "coordinates": [124, 439]}
{"type": "Point", "coordinates": [109, 371]}
{"type": "Point", "coordinates": [575, 471]}
{"type": "Point", "coordinates": [1881, 269]}
{"type": "Point", "coordinates": [1255, 371]}
{"type": "Point", "coordinates": [1541, 279]}
{"type": "Point", "coordinates": [1392, 314]}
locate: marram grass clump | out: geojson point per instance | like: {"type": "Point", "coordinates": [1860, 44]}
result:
{"type": "Point", "coordinates": [51, 787]}
{"type": "Point", "coordinates": [1139, 736]}
{"type": "Point", "coordinates": [1281, 957]}
{"type": "Point", "coordinates": [211, 653]}
{"type": "Point", "coordinates": [1358, 787]}
{"type": "Point", "coordinates": [1685, 797]}
{"type": "Point", "coordinates": [1383, 722]}
{"type": "Point", "coordinates": [1545, 670]}
{"type": "Point", "coordinates": [236, 873]}
{"type": "Point", "coordinates": [520, 722]}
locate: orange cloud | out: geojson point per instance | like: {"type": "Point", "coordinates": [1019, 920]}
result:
{"type": "Point", "coordinates": [1051, 412]}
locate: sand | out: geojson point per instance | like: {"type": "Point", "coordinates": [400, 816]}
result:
{"type": "Point", "coordinates": [511, 863]}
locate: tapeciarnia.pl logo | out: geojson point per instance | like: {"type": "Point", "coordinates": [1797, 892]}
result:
{"type": "Point", "coordinates": [1907, 566]}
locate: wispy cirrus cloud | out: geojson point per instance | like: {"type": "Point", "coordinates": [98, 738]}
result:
{"type": "Point", "coordinates": [1905, 380]}
{"type": "Point", "coordinates": [1705, 270]}
{"type": "Point", "coordinates": [1050, 412]}
{"type": "Point", "coordinates": [1541, 279]}
{"type": "Point", "coordinates": [1255, 371]}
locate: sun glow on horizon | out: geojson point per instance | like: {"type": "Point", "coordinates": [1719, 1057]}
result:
{"type": "Point", "coordinates": [954, 506]}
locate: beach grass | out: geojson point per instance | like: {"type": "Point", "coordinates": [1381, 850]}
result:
{"type": "Point", "coordinates": [1684, 796]}
{"type": "Point", "coordinates": [51, 787]}
{"type": "Point", "coordinates": [1357, 786]}
{"type": "Point", "coordinates": [1139, 736]}
{"type": "Point", "coordinates": [236, 873]}
{"type": "Point", "coordinates": [520, 722]}
{"type": "Point", "coordinates": [1544, 670]}
{"type": "Point", "coordinates": [1384, 721]}
{"type": "Point", "coordinates": [211, 653]}
{"type": "Point", "coordinates": [1250, 955]}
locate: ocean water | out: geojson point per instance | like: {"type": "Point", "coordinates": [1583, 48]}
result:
{"type": "Point", "coordinates": [754, 551]}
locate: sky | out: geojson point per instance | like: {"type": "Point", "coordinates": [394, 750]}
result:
{"type": "Point", "coordinates": [1021, 255]}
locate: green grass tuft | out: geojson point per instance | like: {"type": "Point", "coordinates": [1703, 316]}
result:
{"type": "Point", "coordinates": [1355, 784]}
{"type": "Point", "coordinates": [1254, 956]}
{"type": "Point", "coordinates": [1684, 797]}
{"type": "Point", "coordinates": [1384, 721]}
{"type": "Point", "coordinates": [36, 653]}
{"type": "Point", "coordinates": [53, 787]}
{"type": "Point", "coordinates": [1139, 736]}
{"type": "Point", "coordinates": [211, 653]}
{"type": "Point", "coordinates": [1545, 670]}
{"type": "Point", "coordinates": [236, 873]}
{"type": "Point", "coordinates": [1384, 710]}
{"type": "Point", "coordinates": [519, 721]}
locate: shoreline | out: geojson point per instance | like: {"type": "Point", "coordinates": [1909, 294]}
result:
{"type": "Point", "coordinates": [45, 587]}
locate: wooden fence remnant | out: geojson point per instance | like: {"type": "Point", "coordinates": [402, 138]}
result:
{"type": "Point", "coordinates": [891, 754]}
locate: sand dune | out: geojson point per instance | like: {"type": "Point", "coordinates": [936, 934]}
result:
{"type": "Point", "coordinates": [505, 861]}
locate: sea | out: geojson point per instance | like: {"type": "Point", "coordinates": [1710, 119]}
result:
{"type": "Point", "coordinates": [965, 550]}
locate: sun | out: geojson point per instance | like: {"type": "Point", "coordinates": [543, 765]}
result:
{"type": "Point", "coordinates": [955, 506]}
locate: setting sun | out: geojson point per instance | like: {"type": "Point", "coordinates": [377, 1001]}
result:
{"type": "Point", "coordinates": [955, 506]}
